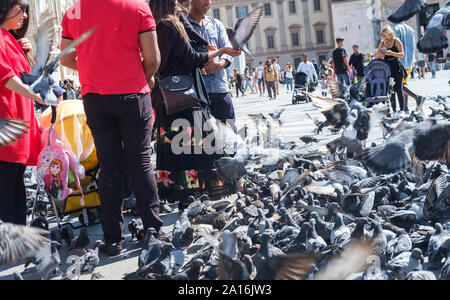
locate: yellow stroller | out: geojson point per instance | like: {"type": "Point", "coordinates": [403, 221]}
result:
{"type": "Point", "coordinates": [69, 122]}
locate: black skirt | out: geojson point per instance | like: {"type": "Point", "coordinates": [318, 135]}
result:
{"type": "Point", "coordinates": [185, 156]}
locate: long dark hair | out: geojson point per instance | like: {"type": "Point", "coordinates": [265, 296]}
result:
{"type": "Point", "coordinates": [6, 6]}
{"type": "Point", "coordinates": [166, 10]}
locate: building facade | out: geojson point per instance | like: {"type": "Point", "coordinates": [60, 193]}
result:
{"type": "Point", "coordinates": [360, 21]}
{"type": "Point", "coordinates": [56, 8]}
{"type": "Point", "coordinates": [287, 29]}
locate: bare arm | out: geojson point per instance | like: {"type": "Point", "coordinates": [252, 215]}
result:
{"type": "Point", "coordinates": [17, 86]}
{"type": "Point", "coordinates": [152, 56]}
{"type": "Point", "coordinates": [70, 60]}
{"type": "Point", "coordinates": [379, 54]}
{"type": "Point", "coordinates": [400, 52]}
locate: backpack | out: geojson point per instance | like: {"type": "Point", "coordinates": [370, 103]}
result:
{"type": "Point", "coordinates": [52, 171]}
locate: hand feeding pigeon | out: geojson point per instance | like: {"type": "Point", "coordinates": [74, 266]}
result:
{"type": "Point", "coordinates": [11, 130]}
{"type": "Point", "coordinates": [243, 30]}
{"type": "Point", "coordinates": [434, 39]}
{"type": "Point", "coordinates": [40, 80]}
{"type": "Point", "coordinates": [408, 9]}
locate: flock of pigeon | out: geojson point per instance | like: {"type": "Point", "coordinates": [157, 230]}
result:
{"type": "Point", "coordinates": [351, 211]}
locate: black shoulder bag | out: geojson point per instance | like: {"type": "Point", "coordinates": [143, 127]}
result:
{"type": "Point", "coordinates": [182, 92]}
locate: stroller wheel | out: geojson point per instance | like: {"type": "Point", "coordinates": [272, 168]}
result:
{"type": "Point", "coordinates": [40, 222]}
{"type": "Point", "coordinates": [82, 221]}
{"type": "Point", "coordinates": [55, 235]}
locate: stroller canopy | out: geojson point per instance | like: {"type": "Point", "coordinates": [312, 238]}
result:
{"type": "Point", "coordinates": [377, 74]}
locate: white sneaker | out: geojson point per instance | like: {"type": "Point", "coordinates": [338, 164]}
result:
{"type": "Point", "coordinates": [402, 114]}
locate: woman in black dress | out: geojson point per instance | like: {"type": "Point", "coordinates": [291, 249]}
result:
{"type": "Point", "coordinates": [391, 49]}
{"type": "Point", "coordinates": [180, 175]}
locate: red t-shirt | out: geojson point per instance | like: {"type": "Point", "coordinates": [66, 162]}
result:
{"type": "Point", "coordinates": [109, 61]}
{"type": "Point", "coordinates": [13, 106]}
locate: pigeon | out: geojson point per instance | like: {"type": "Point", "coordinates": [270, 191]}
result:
{"type": "Point", "coordinates": [90, 260]}
{"type": "Point", "coordinates": [243, 30]}
{"type": "Point", "coordinates": [340, 232]}
{"type": "Point", "coordinates": [408, 9]}
{"type": "Point", "coordinates": [11, 130]}
{"type": "Point", "coordinates": [308, 139]}
{"type": "Point", "coordinates": [405, 262]}
{"type": "Point", "coordinates": [438, 240]}
{"type": "Point", "coordinates": [49, 262]}
{"type": "Point", "coordinates": [81, 241]}
{"type": "Point", "coordinates": [136, 229]}
{"type": "Point", "coordinates": [19, 242]}
{"type": "Point", "coordinates": [434, 39]}
{"type": "Point", "coordinates": [420, 275]}
{"type": "Point", "coordinates": [427, 143]}
{"type": "Point", "coordinates": [40, 80]}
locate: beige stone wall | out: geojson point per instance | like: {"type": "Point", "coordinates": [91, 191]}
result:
{"type": "Point", "coordinates": [281, 24]}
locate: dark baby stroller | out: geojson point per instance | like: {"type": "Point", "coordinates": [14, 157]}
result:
{"type": "Point", "coordinates": [301, 85]}
{"type": "Point", "coordinates": [377, 74]}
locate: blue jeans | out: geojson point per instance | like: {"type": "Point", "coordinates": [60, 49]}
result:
{"type": "Point", "coordinates": [248, 83]}
{"type": "Point", "coordinates": [288, 82]}
{"type": "Point", "coordinates": [343, 78]}
{"type": "Point", "coordinates": [432, 65]}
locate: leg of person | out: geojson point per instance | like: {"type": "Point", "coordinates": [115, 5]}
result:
{"type": "Point", "coordinates": [398, 88]}
{"type": "Point", "coordinates": [407, 92]}
{"type": "Point", "coordinates": [108, 142]}
{"type": "Point", "coordinates": [136, 129]}
{"type": "Point", "coordinates": [433, 68]}
{"type": "Point", "coordinates": [9, 173]}
{"type": "Point", "coordinates": [19, 208]}
{"type": "Point", "coordinates": [269, 88]}
{"type": "Point", "coordinates": [260, 87]}
{"type": "Point", "coordinates": [222, 108]}
{"type": "Point", "coordinates": [346, 79]}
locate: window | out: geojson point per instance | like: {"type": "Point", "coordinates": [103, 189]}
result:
{"type": "Point", "coordinates": [295, 39]}
{"type": "Point", "coordinates": [297, 61]}
{"type": "Point", "coordinates": [292, 7]}
{"type": "Point", "coordinates": [267, 9]}
{"type": "Point", "coordinates": [320, 36]}
{"type": "Point", "coordinates": [241, 11]}
{"type": "Point", "coordinates": [216, 12]}
{"type": "Point", "coordinates": [316, 5]}
{"type": "Point", "coordinates": [270, 41]}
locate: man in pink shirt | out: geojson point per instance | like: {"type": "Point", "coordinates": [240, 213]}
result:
{"type": "Point", "coordinates": [115, 87]}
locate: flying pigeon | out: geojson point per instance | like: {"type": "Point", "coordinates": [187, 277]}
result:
{"type": "Point", "coordinates": [10, 130]}
{"type": "Point", "coordinates": [243, 30]}
{"type": "Point", "coordinates": [408, 9]}
{"type": "Point", "coordinates": [434, 39]}
{"type": "Point", "coordinates": [427, 143]}
{"type": "Point", "coordinates": [18, 242]}
{"type": "Point", "coordinates": [40, 80]}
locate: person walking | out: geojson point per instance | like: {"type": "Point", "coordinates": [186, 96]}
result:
{"type": "Point", "coordinates": [270, 77]}
{"type": "Point", "coordinates": [115, 87]}
{"type": "Point", "coordinates": [432, 64]}
{"type": "Point", "coordinates": [181, 170]}
{"type": "Point", "coordinates": [248, 80]}
{"type": "Point", "coordinates": [317, 68]}
{"type": "Point", "coordinates": [254, 81]}
{"type": "Point", "coordinates": [216, 80]}
{"type": "Point", "coordinates": [421, 61]}
{"type": "Point", "coordinates": [308, 68]}
{"type": "Point", "coordinates": [278, 71]}
{"type": "Point", "coordinates": [357, 62]}
{"type": "Point", "coordinates": [16, 102]}
{"type": "Point", "coordinates": [288, 77]}
{"type": "Point", "coordinates": [340, 64]}
{"type": "Point", "coordinates": [261, 82]}
{"type": "Point", "coordinates": [239, 82]}
{"type": "Point", "coordinates": [391, 50]}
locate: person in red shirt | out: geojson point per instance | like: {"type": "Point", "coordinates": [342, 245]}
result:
{"type": "Point", "coordinates": [16, 102]}
{"type": "Point", "coordinates": [116, 67]}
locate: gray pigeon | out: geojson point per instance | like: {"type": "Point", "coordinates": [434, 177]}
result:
{"type": "Point", "coordinates": [90, 260]}
{"type": "Point", "coordinates": [434, 39]}
{"type": "Point", "coordinates": [18, 242]}
{"type": "Point", "coordinates": [49, 262]}
{"type": "Point", "coordinates": [408, 9]}
{"type": "Point", "coordinates": [243, 30]}
{"type": "Point", "coordinates": [10, 130]}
